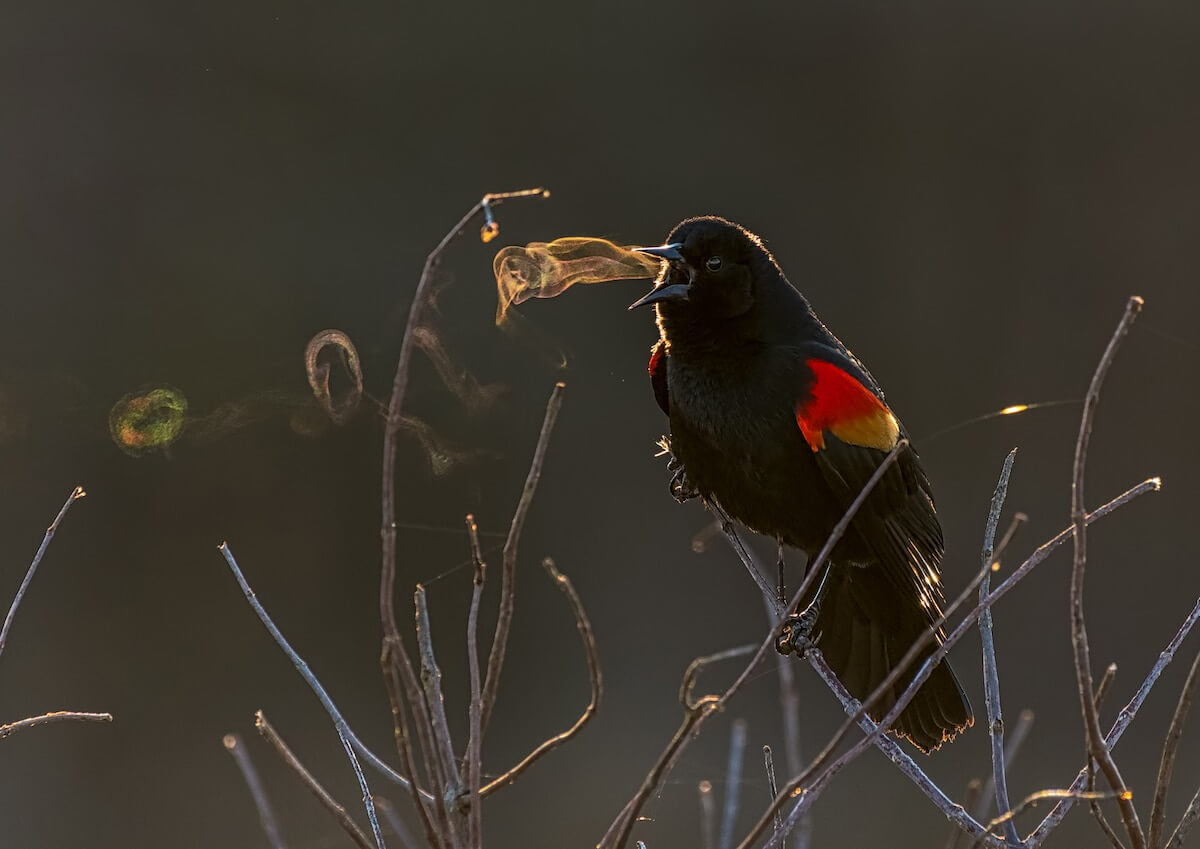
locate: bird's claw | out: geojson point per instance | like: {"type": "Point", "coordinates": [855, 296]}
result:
{"type": "Point", "coordinates": [796, 635]}
{"type": "Point", "coordinates": [681, 487]}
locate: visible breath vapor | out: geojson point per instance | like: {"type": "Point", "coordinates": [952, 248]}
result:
{"type": "Point", "coordinates": [547, 269]}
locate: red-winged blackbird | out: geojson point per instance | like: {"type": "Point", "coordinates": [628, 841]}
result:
{"type": "Point", "coordinates": [774, 419]}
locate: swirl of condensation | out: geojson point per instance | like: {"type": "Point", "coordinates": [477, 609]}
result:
{"type": "Point", "coordinates": [547, 269]}
{"type": "Point", "coordinates": [144, 421]}
{"type": "Point", "coordinates": [341, 410]}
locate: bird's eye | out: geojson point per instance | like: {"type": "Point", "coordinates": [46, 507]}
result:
{"type": "Point", "coordinates": [713, 263]}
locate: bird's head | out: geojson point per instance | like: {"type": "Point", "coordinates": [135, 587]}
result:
{"type": "Point", "coordinates": [710, 270]}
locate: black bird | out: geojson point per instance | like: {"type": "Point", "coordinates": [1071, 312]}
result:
{"type": "Point", "coordinates": [774, 419]}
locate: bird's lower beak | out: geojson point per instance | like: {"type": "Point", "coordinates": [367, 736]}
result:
{"type": "Point", "coordinates": [668, 252]}
{"type": "Point", "coordinates": [670, 292]}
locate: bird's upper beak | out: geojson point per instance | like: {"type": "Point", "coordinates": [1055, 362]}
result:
{"type": "Point", "coordinates": [664, 291]}
{"type": "Point", "coordinates": [669, 252]}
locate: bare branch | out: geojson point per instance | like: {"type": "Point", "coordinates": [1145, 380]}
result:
{"type": "Point", "coordinates": [266, 814]}
{"type": "Point", "coordinates": [1124, 718]}
{"type": "Point", "coordinates": [339, 722]}
{"type": "Point", "coordinates": [1032, 800]}
{"type": "Point", "coordinates": [733, 782]}
{"type": "Point", "coordinates": [991, 673]}
{"type": "Point", "coordinates": [1012, 746]}
{"type": "Point", "coordinates": [55, 716]}
{"type": "Point", "coordinates": [1094, 737]}
{"type": "Point", "coordinates": [594, 679]}
{"type": "Point", "coordinates": [396, 404]}
{"type": "Point", "coordinates": [508, 573]}
{"type": "Point", "coordinates": [772, 784]}
{"type": "Point", "coordinates": [1190, 817]}
{"type": "Point", "coordinates": [1170, 747]}
{"type": "Point", "coordinates": [431, 681]}
{"type": "Point", "coordinates": [1110, 673]}
{"type": "Point", "coordinates": [76, 494]}
{"type": "Point", "coordinates": [474, 757]}
{"type": "Point", "coordinates": [332, 805]}
{"type": "Point", "coordinates": [971, 797]}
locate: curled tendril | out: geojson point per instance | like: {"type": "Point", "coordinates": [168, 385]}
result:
{"type": "Point", "coordinates": [340, 410]}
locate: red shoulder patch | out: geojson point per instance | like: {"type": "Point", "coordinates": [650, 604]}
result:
{"type": "Point", "coordinates": [657, 369]}
{"type": "Point", "coordinates": [840, 404]}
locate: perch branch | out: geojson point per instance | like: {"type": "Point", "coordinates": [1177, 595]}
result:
{"type": "Point", "coordinates": [266, 814]}
{"type": "Point", "coordinates": [594, 680]}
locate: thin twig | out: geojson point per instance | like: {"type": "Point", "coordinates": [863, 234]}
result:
{"type": "Point", "coordinates": [428, 808]}
{"type": "Point", "coordinates": [1170, 747]}
{"type": "Point", "coordinates": [595, 682]}
{"type": "Point", "coordinates": [1032, 800]}
{"type": "Point", "coordinates": [1094, 737]}
{"type": "Point", "coordinates": [76, 494]}
{"type": "Point", "coordinates": [991, 673]}
{"type": "Point", "coordinates": [387, 608]}
{"type": "Point", "coordinates": [508, 572]}
{"type": "Point", "coordinates": [55, 716]}
{"type": "Point", "coordinates": [708, 816]}
{"type": "Point", "coordinates": [474, 758]}
{"type": "Point", "coordinates": [1123, 720]}
{"type": "Point", "coordinates": [1190, 817]}
{"type": "Point", "coordinates": [1110, 673]}
{"type": "Point", "coordinates": [733, 783]}
{"type": "Point", "coordinates": [971, 798]}
{"type": "Point", "coordinates": [332, 805]}
{"type": "Point", "coordinates": [1012, 746]}
{"type": "Point", "coordinates": [339, 721]}
{"type": "Point", "coordinates": [694, 711]}
{"type": "Point", "coordinates": [403, 688]}
{"type": "Point", "coordinates": [266, 814]}
{"type": "Point", "coordinates": [772, 784]}
{"type": "Point", "coordinates": [431, 681]}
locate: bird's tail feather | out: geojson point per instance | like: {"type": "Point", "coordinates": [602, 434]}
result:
{"type": "Point", "coordinates": [863, 631]}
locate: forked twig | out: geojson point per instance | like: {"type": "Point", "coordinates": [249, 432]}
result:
{"type": "Point", "coordinates": [474, 757]}
{"type": "Point", "coordinates": [1094, 737]}
{"type": "Point", "coordinates": [431, 682]}
{"type": "Point", "coordinates": [310, 782]}
{"type": "Point", "coordinates": [266, 814]}
{"type": "Point", "coordinates": [595, 682]}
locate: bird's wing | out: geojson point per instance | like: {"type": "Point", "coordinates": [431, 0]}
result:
{"type": "Point", "coordinates": [850, 430]}
{"type": "Point", "coordinates": [658, 374]}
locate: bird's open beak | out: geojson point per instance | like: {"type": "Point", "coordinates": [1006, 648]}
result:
{"type": "Point", "coordinates": [663, 292]}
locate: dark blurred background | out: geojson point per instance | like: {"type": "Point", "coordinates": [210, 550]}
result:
{"type": "Point", "coordinates": [967, 193]}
